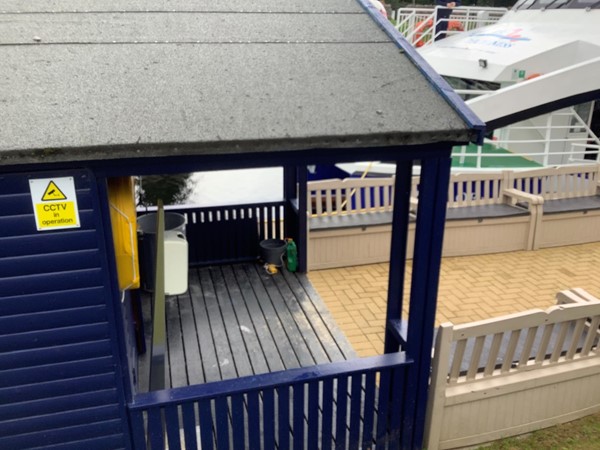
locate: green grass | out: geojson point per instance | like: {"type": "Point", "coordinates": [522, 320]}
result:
{"type": "Point", "coordinates": [582, 434]}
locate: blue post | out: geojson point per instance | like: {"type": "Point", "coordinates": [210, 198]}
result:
{"type": "Point", "coordinates": [398, 251]}
{"type": "Point", "coordinates": [435, 174]}
{"type": "Point", "coordinates": [302, 220]}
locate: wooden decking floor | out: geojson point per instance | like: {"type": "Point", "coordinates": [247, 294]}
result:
{"type": "Point", "coordinates": [237, 320]}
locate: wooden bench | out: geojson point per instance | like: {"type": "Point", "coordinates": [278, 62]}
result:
{"type": "Point", "coordinates": [350, 222]}
{"type": "Point", "coordinates": [571, 204]}
{"type": "Point", "coordinates": [526, 371]}
{"type": "Point", "coordinates": [485, 215]}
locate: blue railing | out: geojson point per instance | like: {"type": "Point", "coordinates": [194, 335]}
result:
{"type": "Point", "coordinates": [226, 234]}
{"type": "Point", "coordinates": [347, 405]}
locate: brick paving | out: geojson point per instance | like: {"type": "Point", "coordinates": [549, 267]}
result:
{"type": "Point", "coordinates": [471, 288]}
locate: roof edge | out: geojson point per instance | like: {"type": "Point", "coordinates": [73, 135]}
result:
{"type": "Point", "coordinates": [436, 80]}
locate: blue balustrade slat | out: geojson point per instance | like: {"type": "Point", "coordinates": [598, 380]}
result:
{"type": "Point", "coordinates": [298, 417]}
{"type": "Point", "coordinates": [222, 423]}
{"type": "Point", "coordinates": [383, 406]}
{"type": "Point", "coordinates": [341, 412]}
{"type": "Point", "coordinates": [396, 413]}
{"type": "Point", "coordinates": [368, 410]}
{"type": "Point", "coordinates": [172, 422]}
{"type": "Point", "coordinates": [268, 419]}
{"type": "Point", "coordinates": [313, 414]}
{"type": "Point", "coordinates": [327, 419]}
{"type": "Point", "coordinates": [243, 413]}
{"type": "Point", "coordinates": [138, 430]}
{"type": "Point", "coordinates": [189, 426]}
{"type": "Point", "coordinates": [355, 410]}
{"type": "Point", "coordinates": [155, 428]}
{"type": "Point", "coordinates": [237, 421]}
{"type": "Point", "coordinates": [254, 419]}
{"type": "Point", "coordinates": [283, 397]}
{"type": "Point", "coordinates": [206, 425]}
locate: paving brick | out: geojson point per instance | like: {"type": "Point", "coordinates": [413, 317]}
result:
{"type": "Point", "coordinates": [471, 288]}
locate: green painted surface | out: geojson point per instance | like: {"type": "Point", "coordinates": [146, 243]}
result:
{"type": "Point", "coordinates": [490, 161]}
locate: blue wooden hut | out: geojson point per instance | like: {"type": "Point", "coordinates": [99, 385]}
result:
{"type": "Point", "coordinates": [94, 91]}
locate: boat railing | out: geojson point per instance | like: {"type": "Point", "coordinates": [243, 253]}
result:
{"type": "Point", "coordinates": [573, 136]}
{"type": "Point", "coordinates": [418, 25]}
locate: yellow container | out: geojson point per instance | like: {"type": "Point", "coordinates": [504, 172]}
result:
{"type": "Point", "coordinates": [121, 197]}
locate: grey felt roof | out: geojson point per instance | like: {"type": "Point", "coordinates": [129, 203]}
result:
{"type": "Point", "coordinates": [103, 79]}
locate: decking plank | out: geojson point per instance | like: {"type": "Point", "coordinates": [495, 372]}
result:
{"type": "Point", "coordinates": [246, 325]}
{"type": "Point", "coordinates": [231, 325]}
{"type": "Point", "coordinates": [217, 326]}
{"type": "Point", "coordinates": [303, 319]}
{"type": "Point", "coordinates": [315, 314]}
{"type": "Point", "coordinates": [208, 353]}
{"type": "Point", "coordinates": [263, 330]}
{"type": "Point", "coordinates": [290, 326]}
{"type": "Point", "coordinates": [175, 357]}
{"type": "Point", "coordinates": [193, 355]}
{"type": "Point", "coordinates": [282, 341]}
{"type": "Point", "coordinates": [339, 337]}
{"type": "Point", "coordinates": [238, 320]}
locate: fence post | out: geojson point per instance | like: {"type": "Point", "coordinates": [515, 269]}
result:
{"type": "Point", "coordinates": [159, 338]}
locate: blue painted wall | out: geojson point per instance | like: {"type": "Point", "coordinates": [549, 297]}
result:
{"type": "Point", "coordinates": [60, 385]}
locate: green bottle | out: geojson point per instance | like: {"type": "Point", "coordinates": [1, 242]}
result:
{"type": "Point", "coordinates": [292, 255]}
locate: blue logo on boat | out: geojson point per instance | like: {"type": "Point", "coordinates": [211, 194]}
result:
{"type": "Point", "coordinates": [502, 38]}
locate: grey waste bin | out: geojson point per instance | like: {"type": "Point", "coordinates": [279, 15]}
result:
{"type": "Point", "coordinates": [272, 250]}
{"type": "Point", "coordinates": [174, 226]}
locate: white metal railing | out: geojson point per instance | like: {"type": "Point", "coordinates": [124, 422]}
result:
{"type": "Point", "coordinates": [418, 25]}
{"type": "Point", "coordinates": [586, 142]}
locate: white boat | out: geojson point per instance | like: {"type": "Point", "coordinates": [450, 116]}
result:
{"type": "Point", "coordinates": [531, 73]}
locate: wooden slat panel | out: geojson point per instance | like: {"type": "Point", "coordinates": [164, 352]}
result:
{"type": "Point", "coordinates": [268, 419]}
{"type": "Point", "coordinates": [327, 408]}
{"type": "Point", "coordinates": [592, 336]}
{"type": "Point", "coordinates": [222, 421]}
{"type": "Point", "coordinates": [298, 415]}
{"type": "Point", "coordinates": [12, 411]}
{"type": "Point", "coordinates": [369, 410]}
{"type": "Point", "coordinates": [355, 411]}
{"type": "Point", "coordinates": [64, 353]}
{"type": "Point", "coordinates": [53, 337]}
{"type": "Point", "coordinates": [172, 426]}
{"type": "Point", "coordinates": [283, 416]}
{"type": "Point", "coordinates": [34, 284]}
{"type": "Point", "coordinates": [38, 391]}
{"type": "Point", "coordinates": [575, 338]}
{"type": "Point", "coordinates": [509, 356]}
{"type": "Point", "coordinates": [238, 422]}
{"type": "Point", "coordinates": [51, 438]}
{"type": "Point", "coordinates": [313, 414]}
{"type": "Point", "coordinates": [493, 354]}
{"type": "Point", "coordinates": [48, 301]}
{"type": "Point", "coordinates": [253, 419]}
{"type": "Point", "coordinates": [189, 426]}
{"type": "Point", "coordinates": [341, 412]}
{"type": "Point", "coordinates": [206, 425]}
{"type": "Point", "coordinates": [52, 372]}
{"type": "Point", "coordinates": [44, 320]}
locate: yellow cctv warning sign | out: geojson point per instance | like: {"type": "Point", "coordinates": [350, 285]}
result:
{"type": "Point", "coordinates": [54, 203]}
{"type": "Point", "coordinates": [53, 192]}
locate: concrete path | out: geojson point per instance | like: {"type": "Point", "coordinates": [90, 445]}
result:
{"type": "Point", "coordinates": [471, 288]}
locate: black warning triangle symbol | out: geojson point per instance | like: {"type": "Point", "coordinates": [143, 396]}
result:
{"type": "Point", "coordinates": [52, 192]}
